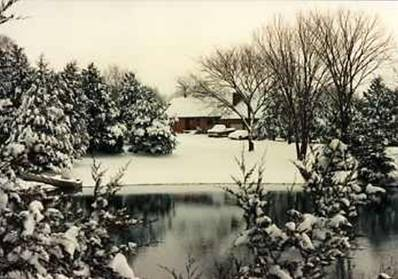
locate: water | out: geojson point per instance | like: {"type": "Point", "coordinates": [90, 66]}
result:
{"type": "Point", "coordinates": [204, 225]}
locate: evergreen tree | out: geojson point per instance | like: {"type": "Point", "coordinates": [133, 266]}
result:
{"type": "Point", "coordinates": [370, 134]}
{"type": "Point", "coordinates": [75, 106]}
{"type": "Point", "coordinates": [273, 121]}
{"type": "Point", "coordinates": [130, 92]}
{"type": "Point", "coordinates": [150, 130]}
{"type": "Point", "coordinates": [105, 130]}
{"type": "Point", "coordinates": [14, 71]}
{"type": "Point", "coordinates": [41, 131]}
{"type": "Point", "coordinates": [14, 79]}
{"type": "Point", "coordinates": [7, 112]}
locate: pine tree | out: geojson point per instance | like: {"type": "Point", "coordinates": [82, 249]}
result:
{"type": "Point", "coordinates": [75, 106]}
{"type": "Point", "coordinates": [105, 130]}
{"type": "Point", "coordinates": [272, 122]}
{"type": "Point", "coordinates": [41, 131]}
{"type": "Point", "coordinates": [14, 79]}
{"type": "Point", "coordinates": [371, 133]}
{"type": "Point", "coordinates": [131, 89]}
{"type": "Point", "coordinates": [150, 130]}
{"type": "Point", "coordinates": [14, 71]}
{"type": "Point", "coordinates": [7, 114]}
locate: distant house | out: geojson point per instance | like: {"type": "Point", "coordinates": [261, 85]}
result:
{"type": "Point", "coordinates": [192, 113]}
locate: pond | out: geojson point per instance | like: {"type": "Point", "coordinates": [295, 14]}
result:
{"type": "Point", "coordinates": [205, 223]}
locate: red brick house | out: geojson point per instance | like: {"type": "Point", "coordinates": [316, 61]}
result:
{"type": "Point", "coordinates": [191, 113]}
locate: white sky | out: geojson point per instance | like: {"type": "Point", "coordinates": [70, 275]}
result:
{"type": "Point", "coordinates": [160, 40]}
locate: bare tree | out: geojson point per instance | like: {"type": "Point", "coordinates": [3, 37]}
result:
{"type": "Point", "coordinates": [235, 73]}
{"type": "Point", "coordinates": [298, 72]}
{"type": "Point", "coordinates": [352, 46]}
{"type": "Point", "coordinates": [5, 6]}
{"type": "Point", "coordinates": [114, 76]}
{"type": "Point", "coordinates": [184, 85]}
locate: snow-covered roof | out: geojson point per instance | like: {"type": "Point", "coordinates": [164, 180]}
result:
{"type": "Point", "coordinates": [241, 107]}
{"type": "Point", "coordinates": [192, 107]}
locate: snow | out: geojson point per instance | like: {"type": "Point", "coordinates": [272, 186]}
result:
{"type": "Point", "coordinates": [338, 220]}
{"type": "Point", "coordinates": [239, 134]}
{"type": "Point", "coordinates": [199, 159]}
{"type": "Point", "coordinates": [277, 271]}
{"type": "Point", "coordinates": [69, 240]}
{"type": "Point", "coordinates": [120, 266]}
{"type": "Point", "coordinates": [370, 189]}
{"type": "Point", "coordinates": [217, 128]}
{"type": "Point", "coordinates": [191, 107]}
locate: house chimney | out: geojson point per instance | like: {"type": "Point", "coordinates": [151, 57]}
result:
{"type": "Point", "coordinates": [236, 98]}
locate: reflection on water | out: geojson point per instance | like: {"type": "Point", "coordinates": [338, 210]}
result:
{"type": "Point", "coordinates": [205, 225]}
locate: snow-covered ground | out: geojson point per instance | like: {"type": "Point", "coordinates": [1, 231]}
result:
{"type": "Point", "coordinates": [198, 159]}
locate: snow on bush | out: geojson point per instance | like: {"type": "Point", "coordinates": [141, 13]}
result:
{"type": "Point", "coordinates": [44, 235]}
{"type": "Point", "coordinates": [331, 180]}
{"type": "Point", "coordinates": [150, 129]}
{"type": "Point", "coordinates": [299, 249]}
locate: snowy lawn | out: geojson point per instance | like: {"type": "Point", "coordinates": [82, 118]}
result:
{"type": "Point", "coordinates": [198, 159]}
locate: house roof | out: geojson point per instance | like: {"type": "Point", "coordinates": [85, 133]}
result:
{"type": "Point", "coordinates": [195, 107]}
{"type": "Point", "coordinates": [241, 107]}
{"type": "Point", "coordinates": [192, 107]}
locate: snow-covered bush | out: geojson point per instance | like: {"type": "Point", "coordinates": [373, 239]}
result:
{"type": "Point", "coordinates": [103, 125]}
{"type": "Point", "coordinates": [40, 131]}
{"type": "Point", "coordinates": [301, 248]}
{"type": "Point", "coordinates": [331, 174]}
{"type": "Point", "coordinates": [43, 235]}
{"type": "Point", "coordinates": [150, 129]}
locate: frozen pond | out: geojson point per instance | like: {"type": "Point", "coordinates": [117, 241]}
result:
{"type": "Point", "coordinates": [205, 222]}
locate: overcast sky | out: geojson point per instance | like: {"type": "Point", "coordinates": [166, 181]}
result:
{"type": "Point", "coordinates": [160, 40]}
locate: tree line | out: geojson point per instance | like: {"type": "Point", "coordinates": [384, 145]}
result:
{"type": "Point", "coordinates": [49, 118]}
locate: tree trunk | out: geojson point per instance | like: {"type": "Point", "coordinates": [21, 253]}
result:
{"type": "Point", "coordinates": [251, 144]}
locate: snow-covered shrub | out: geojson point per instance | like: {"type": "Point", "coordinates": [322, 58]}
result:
{"type": "Point", "coordinates": [103, 125]}
{"type": "Point", "coordinates": [150, 129]}
{"type": "Point", "coordinates": [42, 235]}
{"type": "Point", "coordinates": [331, 174]}
{"type": "Point", "coordinates": [41, 127]}
{"type": "Point", "coordinates": [301, 248]}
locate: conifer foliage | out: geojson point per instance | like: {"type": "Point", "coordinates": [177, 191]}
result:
{"type": "Point", "coordinates": [149, 127]}
{"type": "Point", "coordinates": [75, 106]}
{"type": "Point", "coordinates": [14, 79]}
{"type": "Point", "coordinates": [41, 130]}
{"type": "Point", "coordinates": [374, 129]}
{"type": "Point", "coordinates": [105, 130]}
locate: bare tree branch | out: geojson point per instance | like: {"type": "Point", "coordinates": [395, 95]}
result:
{"type": "Point", "coordinates": [5, 6]}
